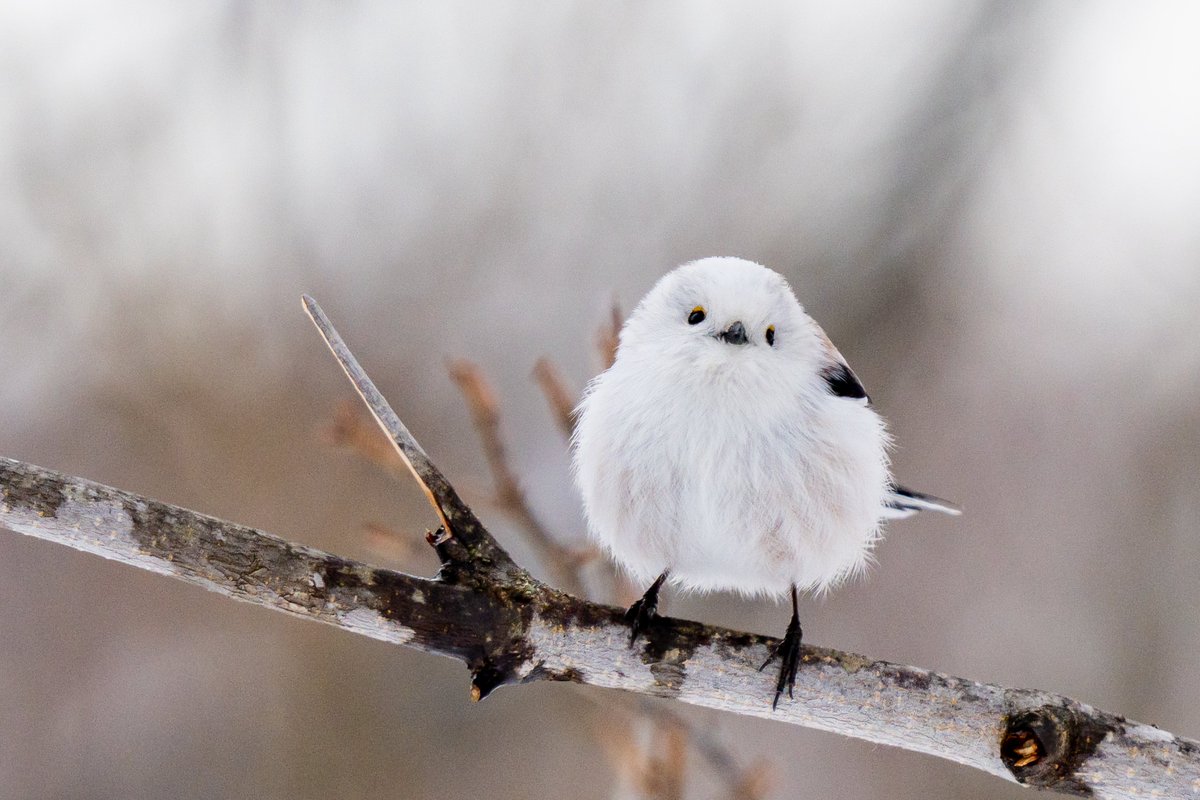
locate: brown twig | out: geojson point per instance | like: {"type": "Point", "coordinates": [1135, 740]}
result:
{"type": "Point", "coordinates": [481, 399]}
{"type": "Point", "coordinates": [648, 755]}
{"type": "Point", "coordinates": [744, 783]}
{"type": "Point", "coordinates": [558, 396]}
{"type": "Point", "coordinates": [625, 753]}
{"type": "Point", "coordinates": [609, 337]}
{"type": "Point", "coordinates": [667, 772]}
{"type": "Point", "coordinates": [391, 543]}
{"type": "Point", "coordinates": [350, 430]}
{"type": "Point", "coordinates": [561, 400]}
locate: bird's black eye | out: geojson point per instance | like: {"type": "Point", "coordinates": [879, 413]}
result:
{"type": "Point", "coordinates": [697, 316]}
{"type": "Point", "coordinates": [771, 335]}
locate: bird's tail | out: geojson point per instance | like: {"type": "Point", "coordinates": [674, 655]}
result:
{"type": "Point", "coordinates": [903, 502]}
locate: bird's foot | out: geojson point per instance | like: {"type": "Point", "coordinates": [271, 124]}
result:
{"type": "Point", "coordinates": [642, 613]}
{"type": "Point", "coordinates": [788, 652]}
{"type": "Point", "coordinates": [639, 616]}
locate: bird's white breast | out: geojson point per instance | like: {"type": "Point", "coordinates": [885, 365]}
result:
{"type": "Point", "coordinates": [746, 482]}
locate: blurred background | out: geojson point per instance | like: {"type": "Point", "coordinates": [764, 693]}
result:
{"type": "Point", "coordinates": [992, 207]}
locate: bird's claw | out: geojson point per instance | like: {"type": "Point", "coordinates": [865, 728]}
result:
{"type": "Point", "coordinates": [788, 651]}
{"type": "Point", "coordinates": [640, 615]}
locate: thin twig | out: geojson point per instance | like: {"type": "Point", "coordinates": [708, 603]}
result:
{"type": "Point", "coordinates": [560, 399]}
{"type": "Point", "coordinates": [744, 783]}
{"type": "Point", "coordinates": [666, 773]}
{"type": "Point", "coordinates": [626, 754]}
{"type": "Point", "coordinates": [609, 337]}
{"type": "Point", "coordinates": [632, 750]}
{"type": "Point", "coordinates": [391, 543]}
{"type": "Point", "coordinates": [485, 412]}
{"type": "Point", "coordinates": [558, 396]}
{"type": "Point", "coordinates": [350, 429]}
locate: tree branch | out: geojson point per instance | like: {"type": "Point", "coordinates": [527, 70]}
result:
{"type": "Point", "coordinates": [609, 337]}
{"type": "Point", "coordinates": [558, 396]}
{"type": "Point", "coordinates": [525, 631]}
{"type": "Point", "coordinates": [510, 629]}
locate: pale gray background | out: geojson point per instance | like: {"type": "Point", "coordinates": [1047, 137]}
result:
{"type": "Point", "coordinates": [993, 208]}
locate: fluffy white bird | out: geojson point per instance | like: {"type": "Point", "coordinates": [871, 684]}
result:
{"type": "Point", "coordinates": [730, 447]}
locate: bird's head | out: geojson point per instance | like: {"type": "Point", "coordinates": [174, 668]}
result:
{"type": "Point", "coordinates": [722, 316]}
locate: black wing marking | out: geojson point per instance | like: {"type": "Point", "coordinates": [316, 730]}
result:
{"type": "Point", "coordinates": [844, 383]}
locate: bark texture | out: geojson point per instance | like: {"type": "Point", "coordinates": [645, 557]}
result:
{"type": "Point", "coordinates": [517, 630]}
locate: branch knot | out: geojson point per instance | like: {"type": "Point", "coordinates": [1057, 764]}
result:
{"type": "Point", "coordinates": [1046, 746]}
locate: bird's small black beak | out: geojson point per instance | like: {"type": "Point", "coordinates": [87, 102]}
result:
{"type": "Point", "coordinates": [734, 334]}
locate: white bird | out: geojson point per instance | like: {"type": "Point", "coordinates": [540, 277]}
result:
{"type": "Point", "coordinates": [730, 447]}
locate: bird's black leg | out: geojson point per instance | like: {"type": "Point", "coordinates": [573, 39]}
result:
{"type": "Point", "coordinates": [643, 611]}
{"type": "Point", "coordinates": [788, 652]}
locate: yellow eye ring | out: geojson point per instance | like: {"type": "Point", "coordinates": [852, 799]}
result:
{"type": "Point", "coordinates": [771, 335]}
{"type": "Point", "coordinates": [697, 316]}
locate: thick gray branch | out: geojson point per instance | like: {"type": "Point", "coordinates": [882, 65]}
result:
{"type": "Point", "coordinates": [515, 630]}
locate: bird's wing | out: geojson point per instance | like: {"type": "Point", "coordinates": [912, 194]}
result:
{"type": "Point", "coordinates": [902, 502]}
{"type": "Point", "coordinates": [838, 376]}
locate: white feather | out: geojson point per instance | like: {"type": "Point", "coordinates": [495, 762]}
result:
{"type": "Point", "coordinates": [733, 466]}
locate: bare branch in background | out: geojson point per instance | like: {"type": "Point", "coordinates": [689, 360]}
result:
{"type": "Point", "coordinates": [753, 783]}
{"type": "Point", "coordinates": [349, 429]}
{"type": "Point", "coordinates": [481, 399]}
{"type": "Point", "coordinates": [561, 400]}
{"type": "Point", "coordinates": [744, 783]}
{"type": "Point", "coordinates": [665, 774]}
{"type": "Point", "coordinates": [741, 783]}
{"type": "Point", "coordinates": [392, 544]}
{"type": "Point", "coordinates": [511, 629]}
{"type": "Point", "coordinates": [609, 337]}
{"type": "Point", "coordinates": [558, 396]}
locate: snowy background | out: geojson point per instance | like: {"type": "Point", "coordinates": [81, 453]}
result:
{"type": "Point", "coordinates": [992, 207]}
